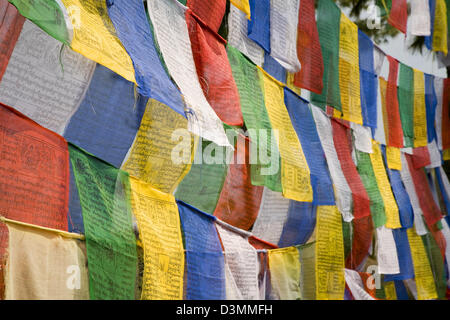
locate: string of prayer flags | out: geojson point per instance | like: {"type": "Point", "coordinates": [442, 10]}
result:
{"type": "Point", "coordinates": [43, 265]}
{"type": "Point", "coordinates": [50, 16]}
{"type": "Point", "coordinates": [214, 71]}
{"type": "Point", "coordinates": [361, 200]}
{"type": "Point", "coordinates": [108, 118]}
{"type": "Point", "coordinates": [202, 186]}
{"type": "Point", "coordinates": [272, 216]}
{"type": "Point", "coordinates": [238, 36]}
{"type": "Point", "coordinates": [204, 257]}
{"type": "Point", "coordinates": [211, 12]}
{"type": "Point", "coordinates": [95, 37]}
{"type": "Point", "coordinates": [157, 158]}
{"type": "Point", "coordinates": [368, 80]}
{"type": "Point", "coordinates": [349, 77]}
{"type": "Point", "coordinates": [343, 194]}
{"type": "Point", "coordinates": [295, 174]}
{"type": "Point", "coordinates": [171, 30]}
{"type": "Point", "coordinates": [330, 282]}
{"type": "Point", "coordinates": [241, 263]}
{"type": "Point", "coordinates": [420, 118]}
{"type": "Point", "coordinates": [283, 33]}
{"type": "Point", "coordinates": [284, 265]}
{"type": "Point", "coordinates": [10, 29]}
{"type": "Point", "coordinates": [406, 103]}
{"type": "Point", "coordinates": [159, 230]}
{"type": "Point", "coordinates": [133, 30]}
{"type": "Point", "coordinates": [259, 24]}
{"type": "Point", "coordinates": [107, 216]}
{"type": "Point", "coordinates": [239, 200]}
{"type": "Point", "coordinates": [299, 225]}
{"type": "Point", "coordinates": [303, 123]}
{"type": "Point", "coordinates": [308, 50]}
{"type": "Point", "coordinates": [264, 172]}
{"type": "Point", "coordinates": [35, 83]}
{"type": "Point", "coordinates": [328, 26]}
{"type": "Point", "coordinates": [395, 134]}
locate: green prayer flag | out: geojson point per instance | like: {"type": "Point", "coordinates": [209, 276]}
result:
{"type": "Point", "coordinates": [406, 103]}
{"type": "Point", "coordinates": [436, 263]}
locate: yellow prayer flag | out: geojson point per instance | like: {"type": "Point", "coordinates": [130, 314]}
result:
{"type": "Point", "coordinates": [393, 157]}
{"type": "Point", "coordinates": [440, 27]}
{"type": "Point", "coordinates": [94, 36]}
{"type": "Point", "coordinates": [420, 116]}
{"type": "Point", "coordinates": [295, 174]}
{"type": "Point", "coordinates": [242, 5]}
{"type": "Point", "coordinates": [446, 154]}
{"type": "Point", "coordinates": [384, 186]}
{"type": "Point", "coordinates": [389, 291]}
{"type": "Point", "coordinates": [284, 265]}
{"type": "Point", "coordinates": [330, 281]}
{"type": "Point", "coordinates": [349, 81]}
{"type": "Point", "coordinates": [160, 232]}
{"type": "Point", "coordinates": [163, 149]}
{"type": "Point", "coordinates": [383, 89]}
{"type": "Point", "coordinates": [426, 289]}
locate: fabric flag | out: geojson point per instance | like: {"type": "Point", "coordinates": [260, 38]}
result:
{"type": "Point", "coordinates": [368, 80]}
{"type": "Point", "coordinates": [368, 177]}
{"type": "Point", "coordinates": [406, 103]}
{"type": "Point", "coordinates": [445, 125]}
{"type": "Point", "coordinates": [75, 214]}
{"type": "Point", "coordinates": [133, 30]}
{"type": "Point", "coordinates": [389, 291]}
{"type": "Point", "coordinates": [446, 234]}
{"type": "Point", "coordinates": [330, 282]}
{"type": "Point", "coordinates": [429, 39]}
{"type": "Point", "coordinates": [110, 239]}
{"type": "Point", "coordinates": [444, 186]}
{"type": "Point", "coordinates": [204, 257]}
{"type": "Point", "coordinates": [309, 51]}
{"type": "Point", "coordinates": [401, 196]}
{"type": "Point", "coordinates": [390, 205]}
{"type": "Point", "coordinates": [290, 77]}
{"type": "Point", "coordinates": [50, 16]}
{"type": "Point", "coordinates": [361, 243]}
{"type": "Point", "coordinates": [284, 266]}
{"type": "Point", "coordinates": [272, 216]}
{"type": "Point", "coordinates": [440, 29]}
{"type": "Point", "coordinates": [420, 18]}
{"type": "Point", "coordinates": [214, 71]}
{"type": "Point", "coordinates": [436, 260]}
{"type": "Point", "coordinates": [342, 190]}
{"type": "Point", "coordinates": [108, 118]}
{"type": "Point", "coordinates": [349, 81]}
{"type": "Point", "coordinates": [157, 158]}
{"type": "Point", "coordinates": [395, 134]}
{"type": "Point", "coordinates": [431, 212]}
{"type": "Point", "coordinates": [426, 288]}
{"type": "Point", "coordinates": [202, 186]}
{"type": "Point", "coordinates": [438, 121]}
{"type": "Point", "coordinates": [10, 28]}
{"type": "Point", "coordinates": [241, 263]}
{"type": "Point", "coordinates": [43, 82]}
{"type": "Point", "coordinates": [239, 200]}
{"type": "Point", "coordinates": [95, 37]}
{"type": "Point", "coordinates": [211, 12]}
{"type": "Point", "coordinates": [159, 230]}
{"type": "Point", "coordinates": [420, 119]}
{"type": "Point", "coordinates": [379, 133]}
{"type": "Point", "coordinates": [242, 5]}
{"type": "Point", "coordinates": [257, 122]}
{"type": "Point", "coordinates": [362, 137]}
{"type": "Point", "coordinates": [328, 25]}
{"type": "Point", "coordinates": [260, 244]}
{"type": "Point", "coordinates": [299, 225]}
{"type": "Point", "coordinates": [356, 286]}
{"type": "Point", "coordinates": [303, 123]}
{"type": "Point", "coordinates": [431, 102]}
{"type": "Point", "coordinates": [393, 157]}
{"type": "Point", "coordinates": [295, 174]}
{"type": "Point", "coordinates": [259, 24]}
{"type": "Point", "coordinates": [238, 36]}
{"type": "Point", "coordinates": [404, 257]}
{"type": "Point", "coordinates": [283, 33]}
{"type": "Point", "coordinates": [387, 257]}
{"type": "Point", "coordinates": [171, 30]}
{"type": "Point", "coordinates": [274, 68]}
{"type": "Point", "coordinates": [420, 157]}
{"type": "Point", "coordinates": [435, 155]}
{"type": "Point", "coordinates": [307, 271]}
{"type": "Point", "coordinates": [44, 265]}
{"type": "Point", "coordinates": [361, 200]}
{"type": "Point", "coordinates": [397, 11]}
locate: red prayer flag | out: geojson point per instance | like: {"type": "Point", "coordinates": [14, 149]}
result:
{"type": "Point", "coordinates": [395, 136]}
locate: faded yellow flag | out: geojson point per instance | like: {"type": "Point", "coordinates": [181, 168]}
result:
{"type": "Point", "coordinates": [389, 291]}
{"type": "Point", "coordinates": [440, 28]}
{"type": "Point", "coordinates": [159, 229]}
{"type": "Point", "coordinates": [420, 116]}
{"type": "Point", "coordinates": [284, 265]}
{"type": "Point", "coordinates": [295, 174]}
{"type": "Point", "coordinates": [94, 36]}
